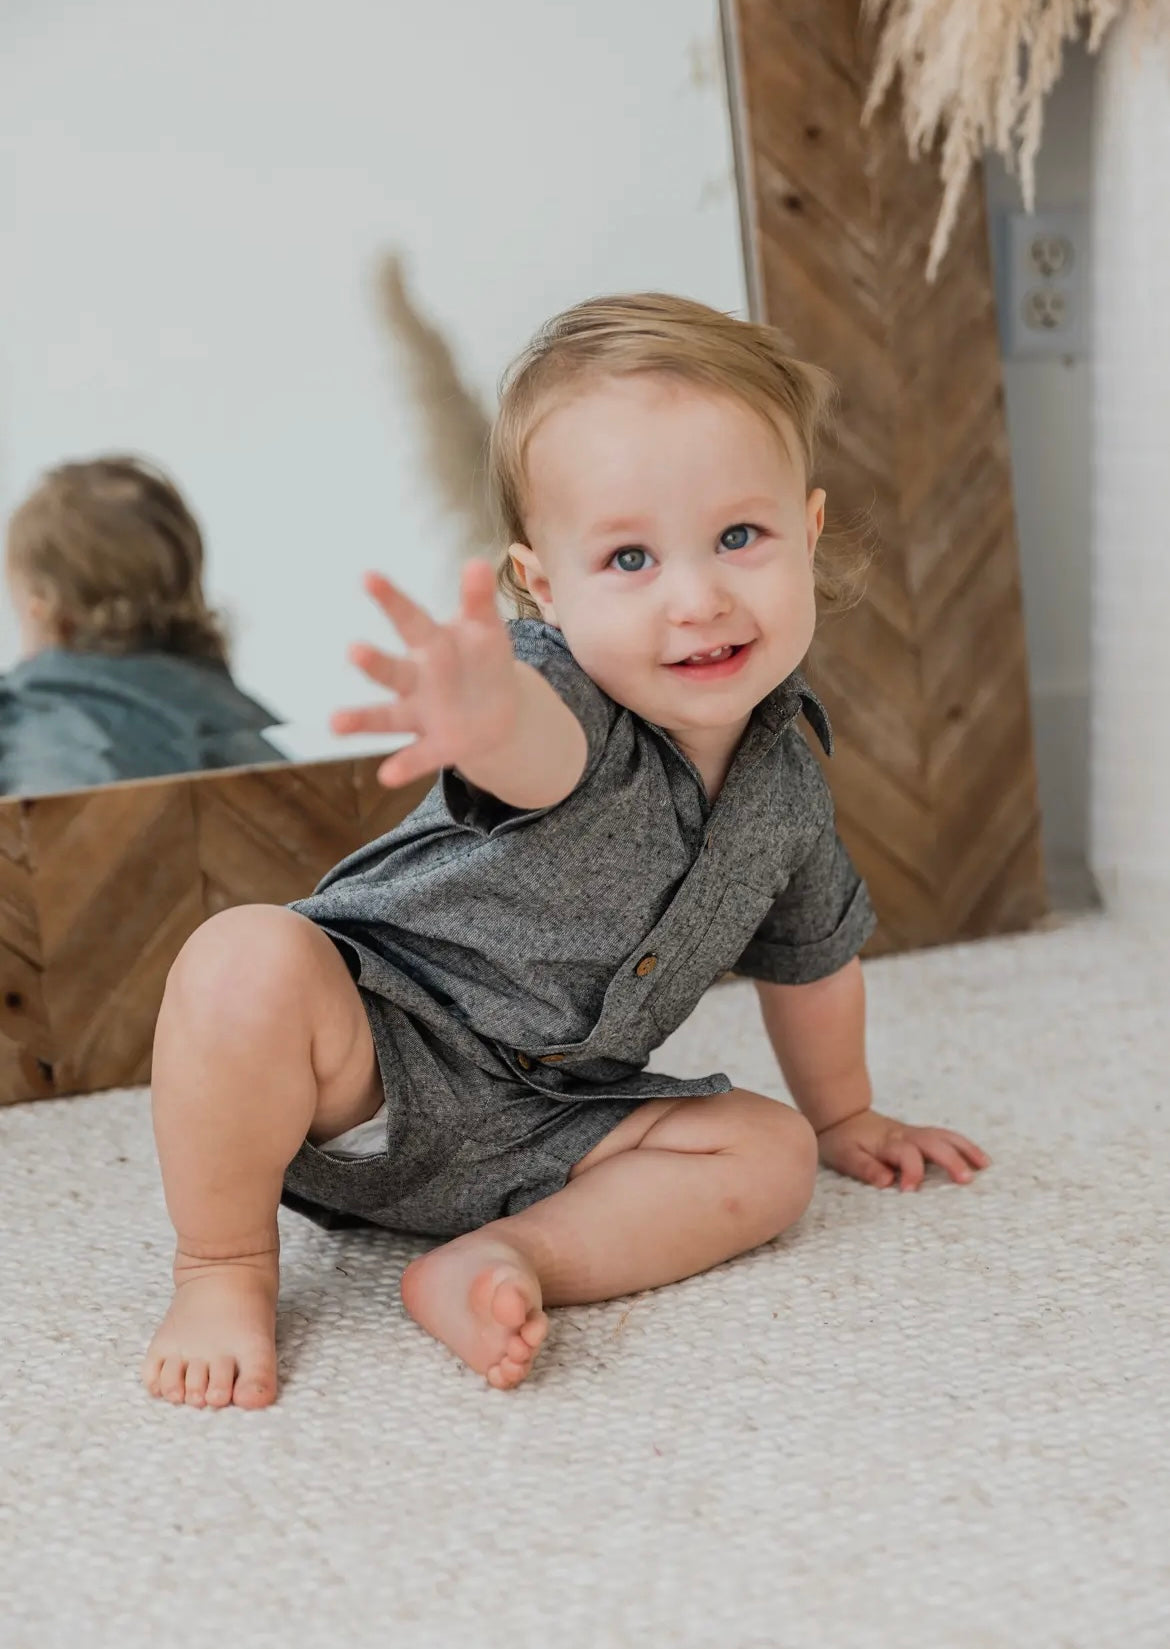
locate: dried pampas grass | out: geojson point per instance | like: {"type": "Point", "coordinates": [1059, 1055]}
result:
{"type": "Point", "coordinates": [453, 423]}
{"type": "Point", "coordinates": [976, 73]}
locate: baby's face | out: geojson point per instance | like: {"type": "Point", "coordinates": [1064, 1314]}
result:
{"type": "Point", "coordinates": [665, 522]}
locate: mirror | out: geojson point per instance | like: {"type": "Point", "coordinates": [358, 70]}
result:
{"type": "Point", "coordinates": [285, 256]}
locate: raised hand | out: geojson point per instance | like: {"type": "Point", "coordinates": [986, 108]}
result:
{"type": "Point", "coordinates": [455, 688]}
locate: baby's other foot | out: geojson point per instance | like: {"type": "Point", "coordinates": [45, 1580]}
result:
{"type": "Point", "coordinates": [481, 1297]}
{"type": "Point", "coordinates": [217, 1343]}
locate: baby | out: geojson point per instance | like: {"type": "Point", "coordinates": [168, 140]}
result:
{"type": "Point", "coordinates": [451, 1035]}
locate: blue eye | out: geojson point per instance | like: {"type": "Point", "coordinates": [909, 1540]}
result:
{"type": "Point", "coordinates": [618, 559]}
{"type": "Point", "coordinates": [737, 537]}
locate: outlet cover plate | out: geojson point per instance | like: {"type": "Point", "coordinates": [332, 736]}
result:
{"type": "Point", "coordinates": [1042, 284]}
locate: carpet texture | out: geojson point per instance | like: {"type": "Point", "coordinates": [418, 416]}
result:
{"type": "Point", "coordinates": [937, 1420]}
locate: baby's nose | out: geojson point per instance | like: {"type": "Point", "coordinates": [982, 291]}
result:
{"type": "Point", "coordinates": [696, 598]}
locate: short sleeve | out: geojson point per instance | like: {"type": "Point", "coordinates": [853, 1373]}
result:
{"type": "Point", "coordinates": [545, 649]}
{"type": "Point", "coordinates": [820, 921]}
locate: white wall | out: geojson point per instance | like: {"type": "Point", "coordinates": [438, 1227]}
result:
{"type": "Point", "coordinates": [193, 197]}
{"type": "Point", "coordinates": [1130, 840]}
{"type": "Point", "coordinates": [1049, 407]}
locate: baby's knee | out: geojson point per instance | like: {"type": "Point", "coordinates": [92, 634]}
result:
{"type": "Point", "coordinates": [784, 1146]}
{"type": "Point", "coordinates": [241, 961]}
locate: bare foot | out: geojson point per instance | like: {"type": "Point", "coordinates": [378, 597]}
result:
{"type": "Point", "coordinates": [480, 1297]}
{"type": "Point", "coordinates": [217, 1343]}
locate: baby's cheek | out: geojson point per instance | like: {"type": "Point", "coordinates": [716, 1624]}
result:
{"type": "Point", "coordinates": [800, 606]}
{"type": "Point", "coordinates": [614, 669]}
{"type": "Point", "coordinates": [602, 642]}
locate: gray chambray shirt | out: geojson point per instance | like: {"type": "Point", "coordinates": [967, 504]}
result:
{"type": "Point", "coordinates": [567, 943]}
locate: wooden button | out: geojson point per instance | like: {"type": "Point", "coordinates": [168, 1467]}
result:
{"type": "Point", "coordinates": [645, 966]}
{"type": "Point", "coordinates": [552, 1059]}
{"type": "Point", "coordinates": [524, 1062]}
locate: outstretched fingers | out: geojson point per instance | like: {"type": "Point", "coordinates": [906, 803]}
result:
{"type": "Point", "coordinates": [387, 669]}
{"type": "Point", "coordinates": [392, 717]}
{"type": "Point", "coordinates": [413, 623]}
{"type": "Point", "coordinates": [477, 593]}
{"type": "Point", "coordinates": [404, 766]}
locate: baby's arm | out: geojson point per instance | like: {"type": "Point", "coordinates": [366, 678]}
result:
{"type": "Point", "coordinates": [542, 759]}
{"type": "Point", "coordinates": [818, 1033]}
{"type": "Point", "coordinates": [469, 701]}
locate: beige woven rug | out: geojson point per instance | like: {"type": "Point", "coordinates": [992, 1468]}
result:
{"type": "Point", "coordinates": [939, 1420]}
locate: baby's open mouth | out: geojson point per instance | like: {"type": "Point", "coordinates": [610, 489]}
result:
{"type": "Point", "coordinates": [719, 658]}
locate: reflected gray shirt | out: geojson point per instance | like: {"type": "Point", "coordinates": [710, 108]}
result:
{"type": "Point", "coordinates": [71, 719]}
{"type": "Point", "coordinates": [578, 937]}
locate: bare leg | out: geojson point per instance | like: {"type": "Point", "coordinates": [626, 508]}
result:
{"type": "Point", "coordinates": [676, 1188]}
{"type": "Point", "coordinates": [261, 1040]}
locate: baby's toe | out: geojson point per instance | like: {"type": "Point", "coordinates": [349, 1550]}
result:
{"type": "Point", "coordinates": [510, 1306]}
{"type": "Point", "coordinates": [256, 1382]}
{"type": "Point", "coordinates": [221, 1378]}
{"type": "Point", "coordinates": [535, 1329]}
{"type": "Point", "coordinates": [172, 1382]}
{"type": "Point", "coordinates": [196, 1384]}
{"type": "Point", "coordinates": [506, 1374]}
{"type": "Point", "coordinates": [519, 1351]}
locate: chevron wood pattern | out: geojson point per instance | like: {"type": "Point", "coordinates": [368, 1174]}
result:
{"type": "Point", "coordinates": [99, 890]}
{"type": "Point", "coordinates": [927, 680]}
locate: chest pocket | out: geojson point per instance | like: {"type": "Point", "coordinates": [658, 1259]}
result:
{"type": "Point", "coordinates": [716, 944]}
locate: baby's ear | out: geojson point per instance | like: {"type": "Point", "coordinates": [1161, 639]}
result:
{"type": "Point", "coordinates": [46, 620]}
{"type": "Point", "coordinates": [530, 575]}
{"type": "Point", "coordinates": [814, 518]}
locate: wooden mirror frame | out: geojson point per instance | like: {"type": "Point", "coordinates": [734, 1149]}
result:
{"type": "Point", "coordinates": [100, 889]}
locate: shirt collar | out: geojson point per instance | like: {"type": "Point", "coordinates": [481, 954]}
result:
{"type": "Point", "coordinates": [792, 698]}
{"type": "Point", "coordinates": [768, 721]}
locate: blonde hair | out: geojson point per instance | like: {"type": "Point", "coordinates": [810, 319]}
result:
{"type": "Point", "coordinates": [651, 332]}
{"type": "Point", "coordinates": [113, 551]}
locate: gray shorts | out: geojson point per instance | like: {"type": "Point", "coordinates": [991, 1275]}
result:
{"type": "Point", "coordinates": [463, 1147]}
{"type": "Point", "coordinates": [465, 1141]}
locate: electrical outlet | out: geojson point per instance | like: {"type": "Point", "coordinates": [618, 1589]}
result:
{"type": "Point", "coordinates": [1050, 255]}
{"type": "Point", "coordinates": [1045, 309]}
{"type": "Point", "coordinates": [1041, 284]}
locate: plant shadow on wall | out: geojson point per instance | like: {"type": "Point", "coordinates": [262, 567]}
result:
{"type": "Point", "coordinates": [453, 424]}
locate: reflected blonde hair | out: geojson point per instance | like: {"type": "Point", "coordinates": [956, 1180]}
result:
{"type": "Point", "coordinates": [112, 549]}
{"type": "Point", "coordinates": [652, 332]}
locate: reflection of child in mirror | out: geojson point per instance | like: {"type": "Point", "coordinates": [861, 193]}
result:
{"type": "Point", "coordinates": [451, 1035]}
{"type": "Point", "coordinates": [124, 670]}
